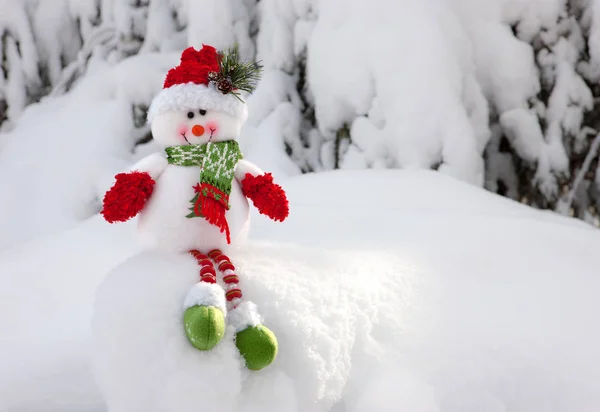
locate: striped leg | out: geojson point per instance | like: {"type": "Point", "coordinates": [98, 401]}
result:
{"type": "Point", "coordinates": [256, 343]}
{"type": "Point", "coordinates": [233, 293]}
{"type": "Point", "coordinates": [204, 317]}
{"type": "Point", "coordinates": [207, 270]}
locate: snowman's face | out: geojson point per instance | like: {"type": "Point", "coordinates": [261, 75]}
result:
{"type": "Point", "coordinates": [194, 127]}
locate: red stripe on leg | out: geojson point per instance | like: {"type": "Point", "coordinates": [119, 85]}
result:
{"type": "Point", "coordinates": [231, 279]}
{"type": "Point", "coordinates": [223, 266]}
{"type": "Point", "coordinates": [208, 279]}
{"type": "Point", "coordinates": [198, 255]}
{"type": "Point", "coordinates": [221, 259]}
{"type": "Point", "coordinates": [207, 269]}
{"type": "Point", "coordinates": [233, 293]}
{"type": "Point", "coordinates": [214, 253]}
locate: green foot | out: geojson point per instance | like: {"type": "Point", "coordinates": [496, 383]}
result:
{"type": "Point", "coordinates": [204, 326]}
{"type": "Point", "coordinates": [258, 345]}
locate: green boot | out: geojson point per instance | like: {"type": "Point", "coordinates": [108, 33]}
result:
{"type": "Point", "coordinates": [258, 346]}
{"type": "Point", "coordinates": [204, 326]}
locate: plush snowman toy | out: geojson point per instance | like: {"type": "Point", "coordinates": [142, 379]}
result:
{"type": "Point", "coordinates": [193, 199]}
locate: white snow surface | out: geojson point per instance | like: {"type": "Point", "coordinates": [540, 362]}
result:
{"type": "Point", "coordinates": [62, 155]}
{"type": "Point", "coordinates": [47, 304]}
{"type": "Point", "coordinates": [388, 290]}
{"type": "Point", "coordinates": [438, 297]}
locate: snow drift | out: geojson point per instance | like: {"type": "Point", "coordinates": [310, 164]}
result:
{"type": "Point", "coordinates": [319, 304]}
{"type": "Point", "coordinates": [442, 298]}
{"type": "Point", "coordinates": [442, 324]}
{"type": "Point", "coordinates": [388, 290]}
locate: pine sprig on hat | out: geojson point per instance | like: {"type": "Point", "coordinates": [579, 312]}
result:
{"type": "Point", "coordinates": [234, 74]}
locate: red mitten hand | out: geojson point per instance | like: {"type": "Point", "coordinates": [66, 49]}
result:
{"type": "Point", "coordinates": [127, 197]}
{"type": "Point", "coordinates": [268, 197]}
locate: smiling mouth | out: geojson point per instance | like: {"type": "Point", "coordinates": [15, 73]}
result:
{"type": "Point", "coordinates": [212, 131]}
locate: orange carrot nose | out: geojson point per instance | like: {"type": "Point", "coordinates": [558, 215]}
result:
{"type": "Point", "coordinates": [198, 130]}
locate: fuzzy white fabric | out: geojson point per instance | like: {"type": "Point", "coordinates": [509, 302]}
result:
{"type": "Point", "coordinates": [243, 167]}
{"type": "Point", "coordinates": [153, 164]}
{"type": "Point", "coordinates": [163, 224]}
{"type": "Point", "coordinates": [245, 315]}
{"type": "Point", "coordinates": [191, 96]}
{"type": "Point", "coordinates": [207, 294]}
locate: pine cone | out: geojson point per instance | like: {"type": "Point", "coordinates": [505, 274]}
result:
{"type": "Point", "coordinates": [213, 76]}
{"type": "Point", "coordinates": [224, 86]}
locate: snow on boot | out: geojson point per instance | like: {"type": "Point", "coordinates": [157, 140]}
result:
{"type": "Point", "coordinates": [256, 343]}
{"type": "Point", "coordinates": [204, 317]}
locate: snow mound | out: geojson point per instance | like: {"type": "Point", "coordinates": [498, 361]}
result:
{"type": "Point", "coordinates": [46, 302]}
{"type": "Point", "coordinates": [398, 209]}
{"type": "Point", "coordinates": [437, 297]}
{"type": "Point", "coordinates": [442, 325]}
{"type": "Point", "coordinates": [319, 304]}
{"type": "Point", "coordinates": [63, 153]}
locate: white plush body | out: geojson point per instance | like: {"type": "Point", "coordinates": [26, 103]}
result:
{"type": "Point", "coordinates": [163, 223]}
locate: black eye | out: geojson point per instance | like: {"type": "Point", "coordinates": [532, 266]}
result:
{"type": "Point", "coordinates": [190, 115]}
{"type": "Point", "coordinates": [202, 112]}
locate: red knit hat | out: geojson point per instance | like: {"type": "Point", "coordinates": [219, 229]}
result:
{"type": "Point", "coordinates": [209, 80]}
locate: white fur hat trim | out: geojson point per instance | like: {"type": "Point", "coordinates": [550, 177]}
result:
{"type": "Point", "coordinates": [191, 96]}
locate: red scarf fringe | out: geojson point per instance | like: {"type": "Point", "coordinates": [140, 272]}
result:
{"type": "Point", "coordinates": [213, 211]}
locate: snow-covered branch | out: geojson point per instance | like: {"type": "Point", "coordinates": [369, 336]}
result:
{"type": "Point", "coordinates": [102, 40]}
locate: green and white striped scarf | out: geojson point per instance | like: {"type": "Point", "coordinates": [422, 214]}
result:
{"type": "Point", "coordinates": [217, 163]}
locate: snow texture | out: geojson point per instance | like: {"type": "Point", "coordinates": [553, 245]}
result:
{"type": "Point", "coordinates": [243, 316]}
{"type": "Point", "coordinates": [20, 57]}
{"type": "Point", "coordinates": [62, 156]}
{"type": "Point", "coordinates": [394, 121]}
{"type": "Point", "coordinates": [427, 294]}
{"type": "Point", "coordinates": [404, 103]}
{"type": "Point", "coordinates": [47, 303]}
{"type": "Point", "coordinates": [543, 99]}
{"type": "Point", "coordinates": [432, 316]}
{"type": "Point", "coordinates": [206, 294]}
{"type": "Point", "coordinates": [347, 89]}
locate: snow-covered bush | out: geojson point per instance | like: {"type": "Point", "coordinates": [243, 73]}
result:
{"type": "Point", "coordinates": [501, 93]}
{"type": "Point", "coordinates": [20, 81]}
{"type": "Point", "coordinates": [545, 153]}
{"type": "Point", "coordinates": [47, 44]}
